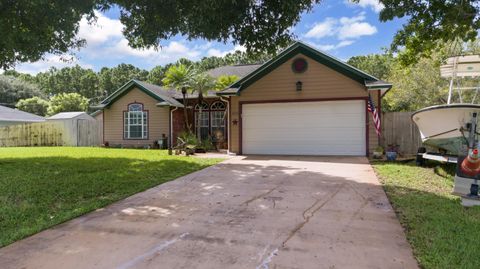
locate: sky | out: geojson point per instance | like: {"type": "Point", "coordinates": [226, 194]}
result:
{"type": "Point", "coordinates": [338, 27]}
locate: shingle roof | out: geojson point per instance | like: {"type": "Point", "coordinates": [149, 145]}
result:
{"type": "Point", "coordinates": [155, 91]}
{"type": "Point", "coordinates": [10, 114]}
{"type": "Point", "coordinates": [162, 92]}
{"type": "Point", "coordinates": [235, 70]}
{"type": "Point", "coordinates": [171, 96]}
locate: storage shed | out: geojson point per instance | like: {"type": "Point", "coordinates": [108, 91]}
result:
{"type": "Point", "coordinates": [81, 129]}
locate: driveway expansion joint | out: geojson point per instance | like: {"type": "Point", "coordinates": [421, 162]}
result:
{"type": "Point", "coordinates": [312, 213]}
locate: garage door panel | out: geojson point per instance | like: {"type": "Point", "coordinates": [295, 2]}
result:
{"type": "Point", "coordinates": [281, 149]}
{"type": "Point", "coordinates": [305, 128]}
{"type": "Point", "coordinates": [280, 122]}
{"type": "Point", "coordinates": [306, 108]}
{"type": "Point", "coordinates": [329, 134]}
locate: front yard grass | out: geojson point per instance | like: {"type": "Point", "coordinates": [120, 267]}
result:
{"type": "Point", "coordinates": [442, 233]}
{"type": "Point", "coordinates": [42, 187]}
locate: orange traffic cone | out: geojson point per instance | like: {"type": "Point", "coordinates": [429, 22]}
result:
{"type": "Point", "coordinates": [471, 165]}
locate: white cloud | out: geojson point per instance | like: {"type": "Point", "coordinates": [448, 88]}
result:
{"type": "Point", "coordinates": [216, 52]}
{"type": "Point", "coordinates": [165, 54]}
{"type": "Point", "coordinates": [355, 30]}
{"type": "Point", "coordinates": [49, 61]}
{"type": "Point", "coordinates": [219, 53]}
{"type": "Point", "coordinates": [205, 46]}
{"type": "Point", "coordinates": [350, 20]}
{"type": "Point", "coordinates": [344, 29]}
{"type": "Point", "coordinates": [375, 5]}
{"type": "Point", "coordinates": [323, 29]}
{"type": "Point", "coordinates": [101, 30]}
{"type": "Point", "coordinates": [105, 42]}
{"type": "Point", "coordinates": [328, 47]}
{"type": "Point", "coordinates": [345, 43]}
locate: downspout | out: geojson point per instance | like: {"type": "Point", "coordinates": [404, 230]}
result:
{"type": "Point", "coordinates": [228, 122]}
{"type": "Point", "coordinates": [171, 126]}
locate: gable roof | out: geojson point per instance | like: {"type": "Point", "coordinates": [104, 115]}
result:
{"type": "Point", "coordinates": [69, 115]}
{"type": "Point", "coordinates": [323, 58]}
{"type": "Point", "coordinates": [158, 93]}
{"type": "Point", "coordinates": [15, 115]}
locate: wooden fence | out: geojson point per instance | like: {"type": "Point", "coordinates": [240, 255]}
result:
{"type": "Point", "coordinates": [51, 133]}
{"type": "Point", "coordinates": [399, 129]}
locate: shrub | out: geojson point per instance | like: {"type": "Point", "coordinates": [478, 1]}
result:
{"type": "Point", "coordinates": [67, 102]}
{"type": "Point", "coordinates": [35, 105]}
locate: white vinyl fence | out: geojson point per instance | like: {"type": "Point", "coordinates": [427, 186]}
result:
{"type": "Point", "coordinates": [51, 133]}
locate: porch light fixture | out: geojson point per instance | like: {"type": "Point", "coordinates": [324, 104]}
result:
{"type": "Point", "coordinates": [299, 86]}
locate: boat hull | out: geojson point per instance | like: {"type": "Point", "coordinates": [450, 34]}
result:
{"type": "Point", "coordinates": [441, 126]}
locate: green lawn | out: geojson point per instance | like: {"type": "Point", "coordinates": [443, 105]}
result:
{"type": "Point", "coordinates": [442, 233]}
{"type": "Point", "coordinates": [41, 187]}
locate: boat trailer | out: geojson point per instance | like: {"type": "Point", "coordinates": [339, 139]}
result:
{"type": "Point", "coordinates": [467, 174]}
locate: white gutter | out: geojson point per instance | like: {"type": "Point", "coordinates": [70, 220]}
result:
{"type": "Point", "coordinates": [171, 126]}
{"type": "Point", "coordinates": [228, 123]}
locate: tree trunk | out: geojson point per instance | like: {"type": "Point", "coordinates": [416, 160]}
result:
{"type": "Point", "coordinates": [185, 114]}
{"type": "Point", "coordinates": [200, 101]}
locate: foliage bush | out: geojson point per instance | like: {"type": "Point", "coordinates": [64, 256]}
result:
{"type": "Point", "coordinates": [206, 144]}
{"type": "Point", "coordinates": [225, 81]}
{"type": "Point", "coordinates": [35, 105]}
{"type": "Point", "coordinates": [66, 102]}
{"type": "Point", "coordinates": [189, 138]}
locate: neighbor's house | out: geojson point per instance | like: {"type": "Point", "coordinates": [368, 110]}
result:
{"type": "Point", "coordinates": [302, 102]}
{"type": "Point", "coordinates": [10, 116]}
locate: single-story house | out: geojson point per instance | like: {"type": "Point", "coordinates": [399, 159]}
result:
{"type": "Point", "coordinates": [10, 116]}
{"type": "Point", "coordinates": [301, 102]}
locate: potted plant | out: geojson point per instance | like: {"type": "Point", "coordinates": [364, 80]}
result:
{"type": "Point", "coordinates": [392, 152]}
{"type": "Point", "coordinates": [378, 152]}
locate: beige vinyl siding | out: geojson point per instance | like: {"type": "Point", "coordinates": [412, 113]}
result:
{"type": "Point", "coordinates": [158, 119]}
{"type": "Point", "coordinates": [319, 82]}
{"type": "Point", "coordinates": [99, 119]}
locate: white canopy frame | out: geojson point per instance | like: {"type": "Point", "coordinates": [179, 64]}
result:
{"type": "Point", "coordinates": [461, 67]}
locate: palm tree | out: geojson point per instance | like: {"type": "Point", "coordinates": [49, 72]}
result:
{"type": "Point", "coordinates": [225, 81]}
{"type": "Point", "coordinates": [179, 77]}
{"type": "Point", "coordinates": [201, 83]}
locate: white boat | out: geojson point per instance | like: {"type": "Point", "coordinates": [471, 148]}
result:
{"type": "Point", "coordinates": [452, 128]}
{"type": "Point", "coordinates": [447, 127]}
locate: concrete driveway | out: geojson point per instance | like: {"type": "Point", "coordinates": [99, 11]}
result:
{"type": "Point", "coordinates": [247, 212]}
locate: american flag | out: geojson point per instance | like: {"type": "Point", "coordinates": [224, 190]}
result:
{"type": "Point", "coordinates": [376, 118]}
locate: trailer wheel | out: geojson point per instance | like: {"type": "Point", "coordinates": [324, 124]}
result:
{"type": "Point", "coordinates": [420, 161]}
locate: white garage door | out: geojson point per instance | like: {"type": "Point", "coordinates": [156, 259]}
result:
{"type": "Point", "coordinates": [304, 128]}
